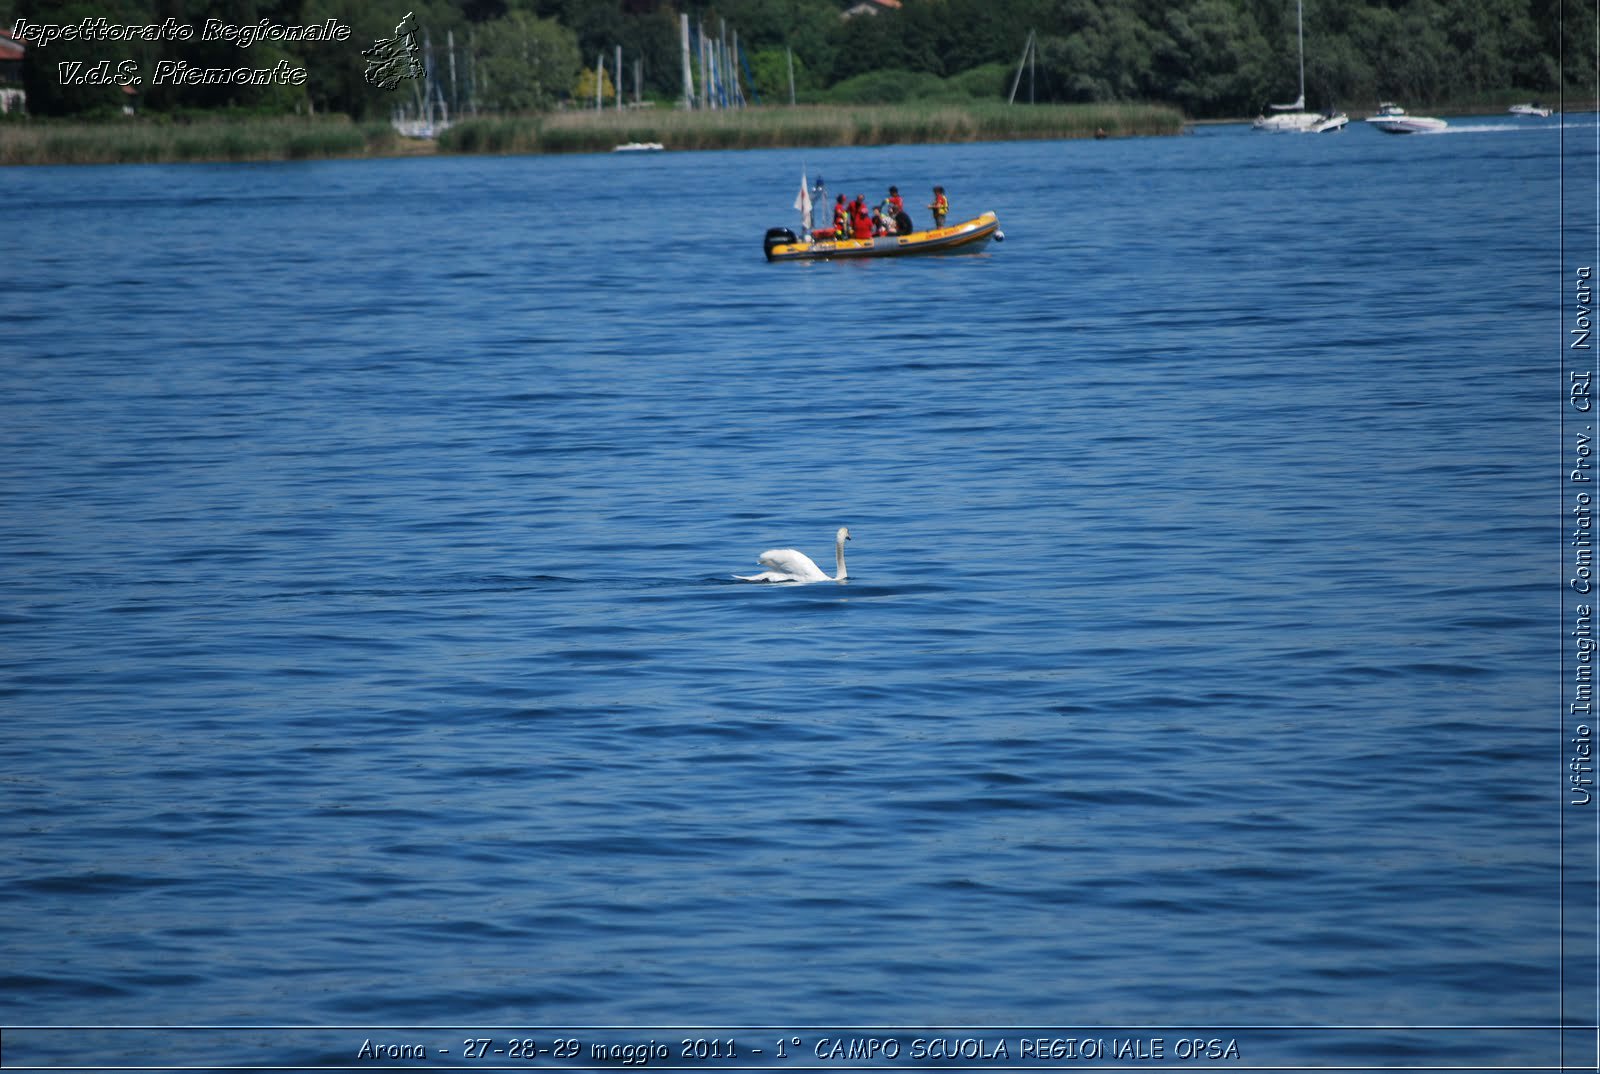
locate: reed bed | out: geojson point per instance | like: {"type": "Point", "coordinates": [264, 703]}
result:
{"type": "Point", "coordinates": [821, 125]}
{"type": "Point", "coordinates": [146, 142]}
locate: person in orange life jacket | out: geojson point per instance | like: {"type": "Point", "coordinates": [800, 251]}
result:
{"type": "Point", "coordinates": [940, 206]}
{"type": "Point", "coordinates": [896, 206]}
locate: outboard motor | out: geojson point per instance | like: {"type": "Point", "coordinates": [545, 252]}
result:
{"type": "Point", "coordinates": [777, 236]}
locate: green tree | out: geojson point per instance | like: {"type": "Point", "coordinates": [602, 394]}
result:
{"type": "Point", "coordinates": [1568, 28]}
{"type": "Point", "coordinates": [770, 66]}
{"type": "Point", "coordinates": [50, 74]}
{"type": "Point", "coordinates": [1107, 53]}
{"type": "Point", "coordinates": [1211, 61]}
{"type": "Point", "coordinates": [526, 63]}
{"type": "Point", "coordinates": [1407, 50]}
{"type": "Point", "coordinates": [652, 38]}
{"type": "Point", "coordinates": [975, 32]}
{"type": "Point", "coordinates": [869, 43]}
{"type": "Point", "coordinates": [336, 71]}
{"type": "Point", "coordinates": [1493, 39]}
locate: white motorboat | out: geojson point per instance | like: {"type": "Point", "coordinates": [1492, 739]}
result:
{"type": "Point", "coordinates": [1392, 119]}
{"type": "Point", "coordinates": [1294, 118]}
{"type": "Point", "coordinates": [1533, 109]}
{"type": "Point", "coordinates": [639, 147]}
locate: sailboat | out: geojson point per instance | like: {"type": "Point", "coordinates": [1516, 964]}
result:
{"type": "Point", "coordinates": [427, 123]}
{"type": "Point", "coordinates": [1293, 118]}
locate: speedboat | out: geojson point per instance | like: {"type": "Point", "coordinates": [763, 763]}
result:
{"type": "Point", "coordinates": [1392, 119]}
{"type": "Point", "coordinates": [782, 244]}
{"type": "Point", "coordinates": [639, 147]}
{"type": "Point", "coordinates": [1533, 109]}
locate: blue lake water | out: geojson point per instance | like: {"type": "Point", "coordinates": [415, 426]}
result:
{"type": "Point", "coordinates": [370, 651]}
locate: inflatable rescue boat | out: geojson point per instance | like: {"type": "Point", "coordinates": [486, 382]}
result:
{"type": "Point", "coordinates": [782, 244]}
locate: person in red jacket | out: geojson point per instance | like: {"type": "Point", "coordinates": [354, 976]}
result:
{"type": "Point", "coordinates": [896, 206]}
{"type": "Point", "coordinates": [863, 221]}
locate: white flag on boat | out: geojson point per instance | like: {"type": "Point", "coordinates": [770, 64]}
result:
{"type": "Point", "coordinates": [803, 201]}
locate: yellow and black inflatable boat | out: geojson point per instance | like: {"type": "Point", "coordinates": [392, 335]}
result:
{"type": "Point", "coordinates": [783, 245]}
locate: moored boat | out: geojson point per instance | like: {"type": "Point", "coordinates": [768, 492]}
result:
{"type": "Point", "coordinates": [782, 244]}
{"type": "Point", "coordinates": [1294, 118]}
{"type": "Point", "coordinates": [1300, 121]}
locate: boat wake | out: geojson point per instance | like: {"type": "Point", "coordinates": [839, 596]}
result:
{"type": "Point", "coordinates": [1494, 128]}
{"type": "Point", "coordinates": [1554, 123]}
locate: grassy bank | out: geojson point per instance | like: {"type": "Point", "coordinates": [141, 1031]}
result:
{"type": "Point", "coordinates": [140, 141]}
{"type": "Point", "coordinates": [152, 141]}
{"type": "Point", "coordinates": [823, 125]}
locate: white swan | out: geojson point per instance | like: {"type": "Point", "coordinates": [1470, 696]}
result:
{"type": "Point", "coordinates": [787, 565]}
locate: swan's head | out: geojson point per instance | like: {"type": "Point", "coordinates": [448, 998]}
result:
{"type": "Point", "coordinates": [843, 534]}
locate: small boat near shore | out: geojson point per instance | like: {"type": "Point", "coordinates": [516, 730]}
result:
{"type": "Point", "coordinates": [782, 244]}
{"type": "Point", "coordinates": [1392, 119]}
{"type": "Point", "coordinates": [1531, 109]}
{"type": "Point", "coordinates": [639, 147]}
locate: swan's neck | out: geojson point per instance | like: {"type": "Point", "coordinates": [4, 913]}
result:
{"type": "Point", "coordinates": [838, 554]}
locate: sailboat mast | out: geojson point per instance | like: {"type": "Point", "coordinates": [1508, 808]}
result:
{"type": "Point", "coordinates": [1300, 37]}
{"type": "Point", "coordinates": [1022, 62]}
{"type": "Point", "coordinates": [688, 78]}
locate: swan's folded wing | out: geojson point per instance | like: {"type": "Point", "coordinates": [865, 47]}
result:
{"type": "Point", "coordinates": [790, 561]}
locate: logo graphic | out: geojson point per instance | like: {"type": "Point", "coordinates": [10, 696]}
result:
{"type": "Point", "coordinates": [391, 60]}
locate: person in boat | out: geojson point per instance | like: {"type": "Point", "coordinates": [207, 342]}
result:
{"type": "Point", "coordinates": [882, 222]}
{"type": "Point", "coordinates": [939, 206]}
{"type": "Point", "coordinates": [894, 213]}
{"type": "Point", "coordinates": [863, 222]}
{"type": "Point", "coordinates": [841, 219]}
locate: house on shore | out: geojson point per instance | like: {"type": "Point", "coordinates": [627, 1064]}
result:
{"type": "Point", "coordinates": [870, 7]}
{"type": "Point", "coordinates": [12, 97]}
